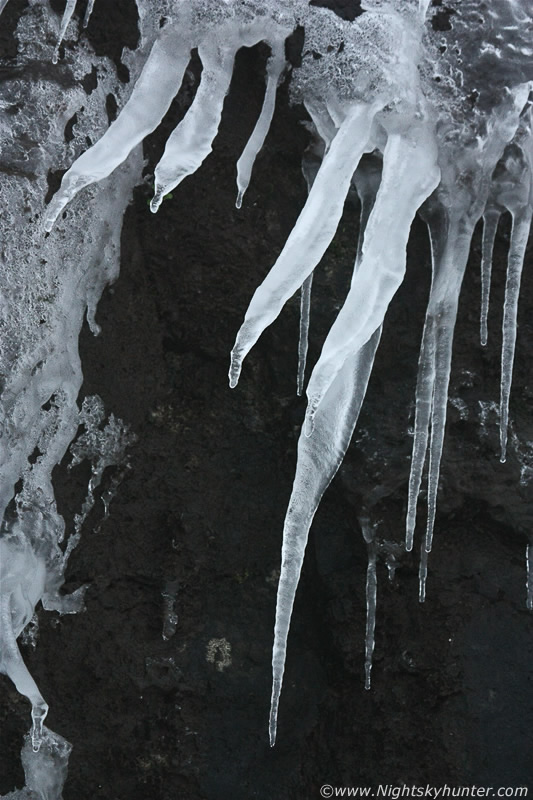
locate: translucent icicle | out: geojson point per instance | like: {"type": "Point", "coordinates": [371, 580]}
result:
{"type": "Point", "coordinates": [141, 115]}
{"type": "Point", "coordinates": [88, 12]}
{"type": "Point", "coordinates": [369, 535]}
{"type": "Point", "coordinates": [3, 4]}
{"type": "Point", "coordinates": [303, 341]}
{"type": "Point", "coordinates": [529, 581]}
{"type": "Point", "coordinates": [311, 235]}
{"type": "Point", "coordinates": [245, 164]}
{"type": "Point", "coordinates": [192, 140]}
{"type": "Point", "coordinates": [490, 226]}
{"type": "Point", "coordinates": [319, 458]}
{"type": "Point", "coordinates": [517, 250]}
{"type": "Point", "coordinates": [410, 172]}
{"type": "Point", "coordinates": [67, 16]}
{"type": "Point", "coordinates": [434, 371]}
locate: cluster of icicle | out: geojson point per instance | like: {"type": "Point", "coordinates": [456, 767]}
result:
{"type": "Point", "coordinates": [417, 121]}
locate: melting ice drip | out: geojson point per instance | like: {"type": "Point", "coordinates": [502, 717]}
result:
{"type": "Point", "coordinates": [418, 120]}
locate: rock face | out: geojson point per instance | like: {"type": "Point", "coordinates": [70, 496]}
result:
{"type": "Point", "coordinates": [199, 518]}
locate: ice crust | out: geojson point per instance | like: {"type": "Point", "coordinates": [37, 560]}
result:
{"type": "Point", "coordinates": [402, 112]}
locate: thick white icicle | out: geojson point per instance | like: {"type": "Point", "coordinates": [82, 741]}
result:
{"type": "Point", "coordinates": [245, 164]}
{"type": "Point", "coordinates": [410, 174]}
{"type": "Point", "coordinates": [369, 535]}
{"type": "Point", "coordinates": [142, 113]}
{"type": "Point", "coordinates": [191, 142]}
{"type": "Point", "coordinates": [303, 341]}
{"type": "Point", "coordinates": [311, 235]}
{"type": "Point", "coordinates": [517, 250]}
{"type": "Point", "coordinates": [67, 16]}
{"type": "Point", "coordinates": [319, 458]}
{"type": "Point", "coordinates": [491, 217]}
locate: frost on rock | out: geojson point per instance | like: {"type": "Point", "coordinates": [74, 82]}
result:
{"type": "Point", "coordinates": [47, 286]}
{"type": "Point", "coordinates": [419, 120]}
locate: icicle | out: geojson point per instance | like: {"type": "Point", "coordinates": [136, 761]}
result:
{"type": "Point", "coordinates": [529, 581]}
{"type": "Point", "coordinates": [369, 535]}
{"type": "Point", "coordinates": [491, 218]}
{"type": "Point", "coordinates": [88, 12]}
{"type": "Point", "coordinates": [245, 164]}
{"type": "Point", "coordinates": [142, 113]}
{"type": "Point", "coordinates": [319, 458]}
{"type": "Point", "coordinates": [67, 15]}
{"type": "Point", "coordinates": [311, 234]}
{"type": "Point", "coordinates": [517, 250]}
{"type": "Point", "coordinates": [3, 4]}
{"type": "Point", "coordinates": [449, 261]}
{"type": "Point", "coordinates": [305, 309]}
{"type": "Point", "coordinates": [410, 172]}
{"type": "Point", "coordinates": [191, 142]}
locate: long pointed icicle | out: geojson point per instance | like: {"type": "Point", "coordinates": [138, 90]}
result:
{"type": "Point", "coordinates": [303, 341]}
{"type": "Point", "coordinates": [410, 171]}
{"type": "Point", "coordinates": [319, 458]}
{"type": "Point", "coordinates": [434, 377]}
{"type": "Point", "coordinates": [311, 235]}
{"type": "Point", "coordinates": [67, 16]}
{"type": "Point", "coordinates": [192, 140]}
{"type": "Point", "coordinates": [490, 226]}
{"type": "Point", "coordinates": [141, 115]}
{"type": "Point", "coordinates": [245, 164]}
{"type": "Point", "coordinates": [369, 535]}
{"type": "Point", "coordinates": [517, 250]}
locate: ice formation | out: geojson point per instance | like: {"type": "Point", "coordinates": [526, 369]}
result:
{"type": "Point", "coordinates": [48, 285]}
{"type": "Point", "coordinates": [406, 114]}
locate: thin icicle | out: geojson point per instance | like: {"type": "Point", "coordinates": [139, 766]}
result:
{"type": "Point", "coordinates": [303, 341]}
{"type": "Point", "coordinates": [517, 250]}
{"type": "Point", "coordinates": [410, 171]}
{"type": "Point", "coordinates": [319, 458]}
{"type": "Point", "coordinates": [491, 218]}
{"type": "Point", "coordinates": [311, 235]}
{"type": "Point", "coordinates": [276, 65]}
{"type": "Point", "coordinates": [67, 16]}
{"type": "Point", "coordinates": [142, 113]}
{"type": "Point", "coordinates": [529, 581]}
{"type": "Point", "coordinates": [369, 535]}
{"type": "Point", "coordinates": [88, 12]}
{"type": "Point", "coordinates": [191, 142]}
{"type": "Point", "coordinates": [434, 377]}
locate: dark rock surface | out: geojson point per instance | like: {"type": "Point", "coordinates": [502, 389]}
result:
{"type": "Point", "coordinates": [203, 504]}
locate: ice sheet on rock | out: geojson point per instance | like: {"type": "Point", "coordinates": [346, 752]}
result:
{"type": "Point", "coordinates": [311, 235]}
{"type": "Point", "coordinates": [319, 458]}
{"type": "Point", "coordinates": [276, 65]}
{"type": "Point", "coordinates": [103, 444]}
{"type": "Point", "coordinates": [45, 772]}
